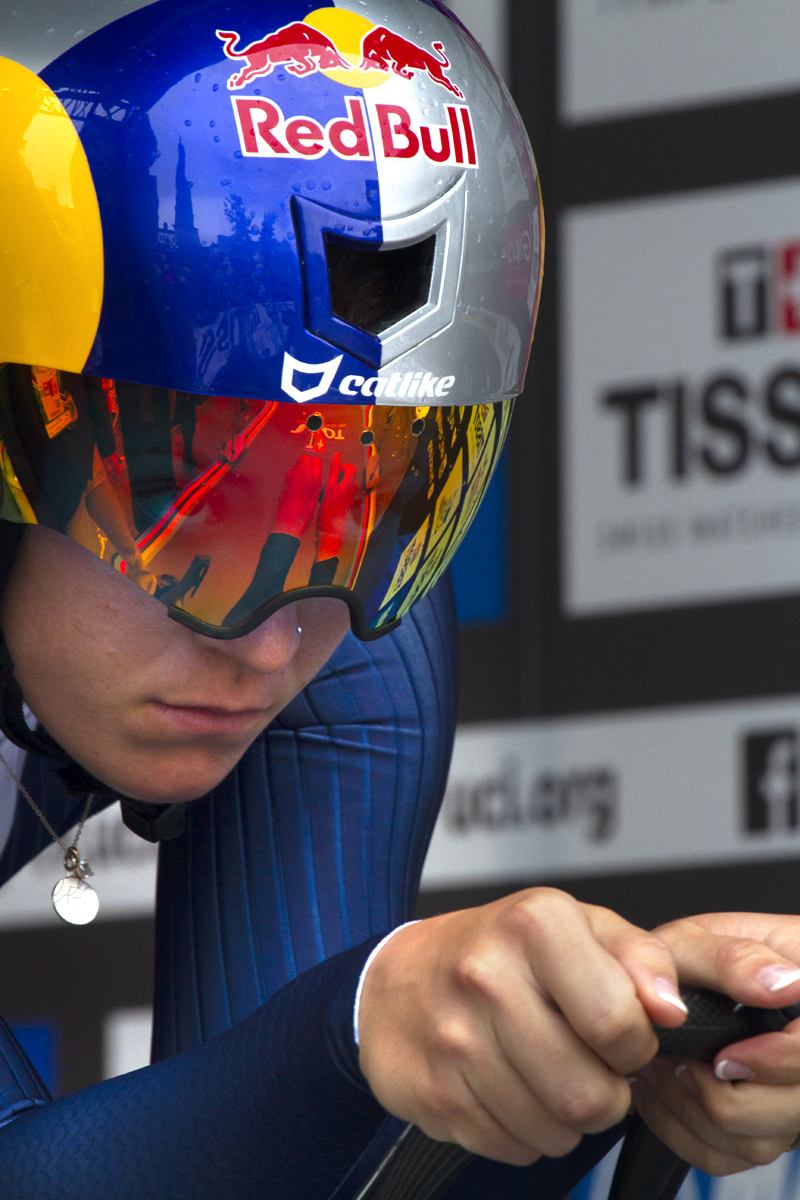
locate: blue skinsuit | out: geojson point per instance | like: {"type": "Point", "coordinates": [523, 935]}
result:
{"type": "Point", "coordinates": [268, 906]}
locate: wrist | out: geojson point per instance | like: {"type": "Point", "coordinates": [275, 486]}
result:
{"type": "Point", "coordinates": [373, 955]}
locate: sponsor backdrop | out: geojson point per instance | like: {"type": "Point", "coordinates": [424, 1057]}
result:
{"type": "Point", "coordinates": [628, 56]}
{"type": "Point", "coordinates": [681, 390]}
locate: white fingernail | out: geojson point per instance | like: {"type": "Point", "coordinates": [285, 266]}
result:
{"type": "Point", "coordinates": [674, 1000]}
{"type": "Point", "coordinates": [733, 1071]}
{"type": "Point", "coordinates": [778, 977]}
{"type": "Point", "coordinates": [666, 989]}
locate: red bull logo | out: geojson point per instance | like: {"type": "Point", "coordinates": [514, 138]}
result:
{"type": "Point", "coordinates": [383, 50]}
{"type": "Point", "coordinates": [264, 132]}
{"type": "Point", "coordinates": [297, 47]}
{"type": "Point", "coordinates": [342, 45]}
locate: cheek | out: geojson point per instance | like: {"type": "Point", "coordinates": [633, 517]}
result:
{"type": "Point", "coordinates": [75, 630]}
{"type": "Point", "coordinates": [324, 622]}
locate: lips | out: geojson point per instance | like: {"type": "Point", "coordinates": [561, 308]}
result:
{"type": "Point", "coordinates": [205, 721]}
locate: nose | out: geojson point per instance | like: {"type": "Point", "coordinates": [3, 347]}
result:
{"type": "Point", "coordinates": [271, 646]}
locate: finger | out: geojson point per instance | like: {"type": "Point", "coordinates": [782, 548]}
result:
{"type": "Point", "coordinates": [556, 1064]}
{"type": "Point", "coordinates": [772, 1058]}
{"type": "Point", "coordinates": [648, 961]}
{"type": "Point", "coordinates": [593, 991]}
{"type": "Point", "coordinates": [538, 1055]}
{"type": "Point", "coordinates": [509, 1099]}
{"type": "Point", "coordinates": [742, 1109]}
{"type": "Point", "coordinates": [749, 970]}
{"type": "Point", "coordinates": [687, 1138]}
{"type": "Point", "coordinates": [448, 1111]}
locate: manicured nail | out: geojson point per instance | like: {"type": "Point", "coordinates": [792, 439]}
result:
{"type": "Point", "coordinates": [666, 989]}
{"type": "Point", "coordinates": [687, 1079]}
{"type": "Point", "coordinates": [727, 1069]}
{"type": "Point", "coordinates": [776, 977]}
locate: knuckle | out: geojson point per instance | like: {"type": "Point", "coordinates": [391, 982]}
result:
{"type": "Point", "coordinates": [737, 953]}
{"type": "Point", "coordinates": [650, 946]}
{"type": "Point", "coordinates": [453, 1041]}
{"type": "Point", "coordinates": [476, 971]}
{"type": "Point", "coordinates": [610, 1025]}
{"type": "Point", "coordinates": [587, 1109]}
{"type": "Point", "coordinates": [539, 913]}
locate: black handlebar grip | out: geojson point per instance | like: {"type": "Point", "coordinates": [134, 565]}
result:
{"type": "Point", "coordinates": [716, 1021]}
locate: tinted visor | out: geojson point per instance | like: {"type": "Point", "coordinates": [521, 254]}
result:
{"type": "Point", "coordinates": [225, 508]}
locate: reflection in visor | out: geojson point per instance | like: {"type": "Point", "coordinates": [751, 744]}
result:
{"type": "Point", "coordinates": [226, 508]}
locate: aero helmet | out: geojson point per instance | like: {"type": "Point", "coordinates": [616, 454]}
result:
{"type": "Point", "coordinates": [270, 277]}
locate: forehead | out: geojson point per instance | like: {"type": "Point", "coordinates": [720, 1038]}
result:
{"type": "Point", "coordinates": [37, 31]}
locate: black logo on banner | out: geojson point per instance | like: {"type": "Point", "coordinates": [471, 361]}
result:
{"type": "Point", "coordinates": [771, 780]}
{"type": "Point", "coordinates": [759, 291]}
{"type": "Point", "coordinates": [502, 800]}
{"type": "Point", "coordinates": [721, 425]}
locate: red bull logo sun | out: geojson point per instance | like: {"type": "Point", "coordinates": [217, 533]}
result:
{"type": "Point", "coordinates": [338, 43]}
{"type": "Point", "coordinates": [354, 52]}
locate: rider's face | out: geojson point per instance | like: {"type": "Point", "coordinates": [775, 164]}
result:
{"type": "Point", "coordinates": [154, 710]}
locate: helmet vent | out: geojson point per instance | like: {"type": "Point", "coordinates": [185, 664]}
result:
{"type": "Point", "coordinates": [373, 289]}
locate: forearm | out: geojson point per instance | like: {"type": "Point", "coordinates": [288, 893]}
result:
{"type": "Point", "coordinates": [274, 1106]}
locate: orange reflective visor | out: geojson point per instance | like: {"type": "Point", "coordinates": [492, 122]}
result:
{"type": "Point", "coordinates": [225, 508]}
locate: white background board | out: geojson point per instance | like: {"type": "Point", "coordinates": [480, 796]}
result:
{"type": "Point", "coordinates": [645, 285]}
{"type": "Point", "coordinates": [623, 57]}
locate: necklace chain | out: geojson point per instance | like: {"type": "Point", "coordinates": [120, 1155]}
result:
{"type": "Point", "coordinates": [43, 818]}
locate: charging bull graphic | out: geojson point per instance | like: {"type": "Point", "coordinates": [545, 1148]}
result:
{"type": "Point", "coordinates": [383, 50]}
{"type": "Point", "coordinates": [303, 49]}
{"type": "Point", "coordinates": [298, 47]}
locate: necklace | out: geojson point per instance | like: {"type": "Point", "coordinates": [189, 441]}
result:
{"type": "Point", "coordinates": [74, 899]}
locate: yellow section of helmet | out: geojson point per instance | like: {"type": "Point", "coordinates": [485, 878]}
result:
{"type": "Point", "coordinates": [51, 244]}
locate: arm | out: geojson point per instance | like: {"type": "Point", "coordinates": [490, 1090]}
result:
{"type": "Point", "coordinates": [275, 1106]}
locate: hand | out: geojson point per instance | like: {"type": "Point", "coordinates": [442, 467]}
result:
{"type": "Point", "coordinates": [336, 503]}
{"type": "Point", "coordinates": [299, 497]}
{"type": "Point", "coordinates": [744, 1109]}
{"type": "Point", "coordinates": [510, 1028]}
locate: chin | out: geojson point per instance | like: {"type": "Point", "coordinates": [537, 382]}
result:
{"type": "Point", "coordinates": [171, 786]}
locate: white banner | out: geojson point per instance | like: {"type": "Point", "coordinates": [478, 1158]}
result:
{"type": "Point", "coordinates": [681, 387]}
{"type": "Point", "coordinates": [681, 787]}
{"type": "Point", "coordinates": [624, 57]}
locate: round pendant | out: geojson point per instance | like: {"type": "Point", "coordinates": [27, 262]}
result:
{"type": "Point", "coordinates": [75, 901]}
